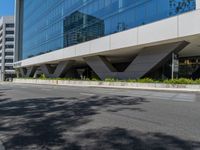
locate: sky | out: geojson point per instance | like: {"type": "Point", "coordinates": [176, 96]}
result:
{"type": "Point", "coordinates": [7, 7]}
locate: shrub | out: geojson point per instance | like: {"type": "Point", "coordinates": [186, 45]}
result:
{"type": "Point", "coordinates": [179, 81]}
{"type": "Point", "coordinates": [111, 80]}
{"type": "Point", "coordinates": [197, 81]}
{"type": "Point", "coordinates": [131, 80]}
{"type": "Point", "coordinates": [95, 79]}
{"type": "Point", "coordinates": [146, 80]}
{"type": "Point", "coordinates": [42, 76]}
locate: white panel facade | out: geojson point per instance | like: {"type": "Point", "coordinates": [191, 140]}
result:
{"type": "Point", "coordinates": [99, 45]}
{"type": "Point", "coordinates": [158, 31]}
{"type": "Point", "coordinates": [69, 52]}
{"type": "Point", "coordinates": [124, 39]}
{"type": "Point", "coordinates": [83, 49]}
{"type": "Point", "coordinates": [189, 23]}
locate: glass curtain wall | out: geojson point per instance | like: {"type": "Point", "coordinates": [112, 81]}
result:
{"type": "Point", "coordinates": [49, 25]}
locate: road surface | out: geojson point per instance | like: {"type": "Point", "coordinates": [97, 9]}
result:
{"type": "Point", "coordinates": [44, 117]}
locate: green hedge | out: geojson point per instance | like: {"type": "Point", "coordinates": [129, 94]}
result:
{"type": "Point", "coordinates": [144, 80]}
{"type": "Point", "coordinates": [182, 81]}
{"type": "Point", "coordinates": [167, 81]}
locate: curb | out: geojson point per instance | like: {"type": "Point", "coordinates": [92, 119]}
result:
{"type": "Point", "coordinates": [117, 85]}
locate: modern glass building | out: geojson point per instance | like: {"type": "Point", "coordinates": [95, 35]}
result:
{"type": "Point", "coordinates": [106, 38]}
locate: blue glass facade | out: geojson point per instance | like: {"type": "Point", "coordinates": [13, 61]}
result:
{"type": "Point", "coordinates": [49, 25]}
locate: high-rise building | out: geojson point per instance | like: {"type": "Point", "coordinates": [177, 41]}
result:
{"type": "Point", "coordinates": [124, 39]}
{"type": "Point", "coordinates": [7, 47]}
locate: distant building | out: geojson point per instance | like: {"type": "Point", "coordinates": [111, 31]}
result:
{"type": "Point", "coordinates": [123, 39]}
{"type": "Point", "coordinates": [7, 43]}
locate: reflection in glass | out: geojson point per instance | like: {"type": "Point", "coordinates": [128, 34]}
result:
{"type": "Point", "coordinates": [80, 27]}
{"type": "Point", "coordinates": [49, 25]}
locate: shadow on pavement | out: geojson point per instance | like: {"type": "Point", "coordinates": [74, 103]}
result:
{"type": "Point", "coordinates": [122, 139]}
{"type": "Point", "coordinates": [48, 123]}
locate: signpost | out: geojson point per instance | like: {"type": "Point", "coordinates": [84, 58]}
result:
{"type": "Point", "coordinates": [175, 66]}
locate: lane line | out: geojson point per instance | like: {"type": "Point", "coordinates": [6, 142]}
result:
{"type": "Point", "coordinates": [46, 89]}
{"type": "Point", "coordinates": [87, 94]}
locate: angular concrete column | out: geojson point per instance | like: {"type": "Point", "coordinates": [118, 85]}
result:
{"type": "Point", "coordinates": [60, 71]}
{"type": "Point", "coordinates": [151, 58]}
{"type": "Point", "coordinates": [147, 60]}
{"type": "Point", "coordinates": [28, 72]}
{"type": "Point", "coordinates": [101, 66]}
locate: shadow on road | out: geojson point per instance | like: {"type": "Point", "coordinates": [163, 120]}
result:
{"type": "Point", "coordinates": [122, 139]}
{"type": "Point", "coordinates": [48, 123]}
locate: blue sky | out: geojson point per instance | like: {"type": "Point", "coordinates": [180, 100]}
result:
{"type": "Point", "coordinates": [6, 7]}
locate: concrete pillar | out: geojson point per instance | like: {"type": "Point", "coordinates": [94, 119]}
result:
{"type": "Point", "coordinates": [101, 66]}
{"type": "Point", "coordinates": [148, 59]}
{"type": "Point", "coordinates": [151, 58]}
{"type": "Point", "coordinates": [28, 72]}
{"type": "Point", "coordinates": [60, 70]}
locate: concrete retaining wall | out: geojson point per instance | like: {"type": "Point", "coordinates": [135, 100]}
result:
{"type": "Point", "coordinates": [127, 85]}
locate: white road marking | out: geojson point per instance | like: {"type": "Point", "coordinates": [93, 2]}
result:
{"type": "Point", "coordinates": [87, 94]}
{"type": "Point", "coordinates": [23, 87]}
{"type": "Point", "coordinates": [172, 97]}
{"type": "Point", "coordinates": [46, 89]}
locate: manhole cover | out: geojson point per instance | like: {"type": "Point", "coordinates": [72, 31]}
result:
{"type": "Point", "coordinates": [1, 146]}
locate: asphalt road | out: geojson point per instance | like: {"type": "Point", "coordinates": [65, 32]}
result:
{"type": "Point", "coordinates": [42, 117]}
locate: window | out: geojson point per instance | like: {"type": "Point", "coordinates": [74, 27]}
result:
{"type": "Point", "coordinates": [9, 61]}
{"type": "Point", "coordinates": [71, 22]}
{"type": "Point", "coordinates": [8, 67]}
{"type": "Point", "coordinates": [10, 25]}
{"type": "Point", "coordinates": [9, 53]}
{"type": "Point", "coordinates": [9, 32]}
{"type": "Point", "coordinates": [9, 39]}
{"type": "Point", "coordinates": [9, 46]}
